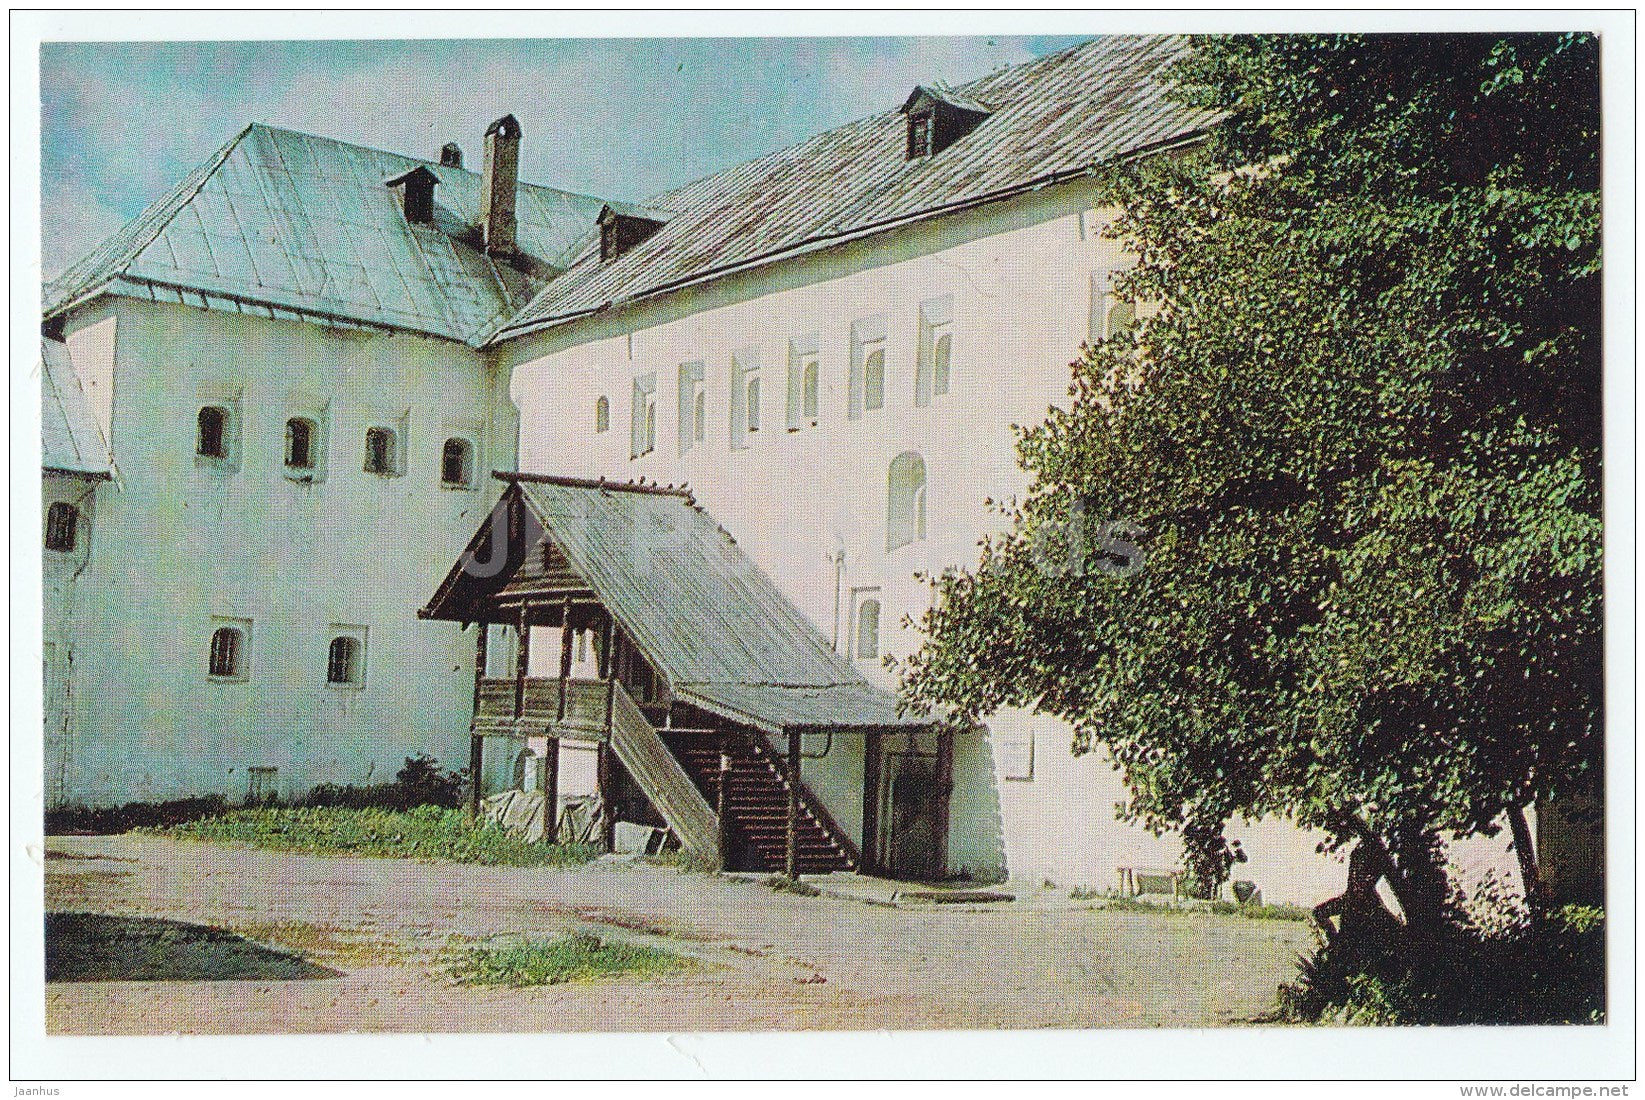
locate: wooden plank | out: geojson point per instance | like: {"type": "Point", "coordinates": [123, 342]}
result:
{"type": "Point", "coordinates": [658, 772]}
{"type": "Point", "coordinates": [551, 788]}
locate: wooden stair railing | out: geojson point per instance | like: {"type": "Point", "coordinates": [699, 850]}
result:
{"type": "Point", "coordinates": [812, 804]}
{"type": "Point", "coordinates": [660, 776]}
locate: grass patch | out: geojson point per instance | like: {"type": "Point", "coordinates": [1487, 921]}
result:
{"type": "Point", "coordinates": [579, 957]}
{"type": "Point", "coordinates": [428, 832]}
{"type": "Point", "coordinates": [1221, 908]}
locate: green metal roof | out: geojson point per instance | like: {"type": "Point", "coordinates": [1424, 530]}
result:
{"type": "Point", "coordinates": [279, 222]}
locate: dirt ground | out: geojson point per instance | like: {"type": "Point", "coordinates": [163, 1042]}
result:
{"type": "Point", "coordinates": [369, 934]}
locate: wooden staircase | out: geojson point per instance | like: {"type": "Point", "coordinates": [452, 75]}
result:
{"type": "Point", "coordinates": [756, 804]}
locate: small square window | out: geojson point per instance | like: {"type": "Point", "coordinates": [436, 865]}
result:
{"type": "Point", "coordinates": [383, 452]}
{"type": "Point", "coordinates": [346, 657]}
{"type": "Point", "coordinates": [457, 463]}
{"type": "Point", "coordinates": [62, 521]}
{"type": "Point", "coordinates": [229, 656]}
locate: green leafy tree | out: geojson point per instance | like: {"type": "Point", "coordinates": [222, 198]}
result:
{"type": "Point", "coordinates": [1357, 442]}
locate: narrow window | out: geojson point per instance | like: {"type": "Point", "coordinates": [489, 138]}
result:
{"type": "Point", "coordinates": [868, 628]}
{"type": "Point", "coordinates": [261, 788]}
{"type": "Point", "coordinates": [643, 416]}
{"type": "Point", "coordinates": [936, 347]}
{"type": "Point", "coordinates": [343, 661]}
{"type": "Point", "coordinates": [457, 462]}
{"type": "Point", "coordinates": [226, 648]}
{"type": "Point", "coordinates": [905, 500]}
{"type": "Point", "coordinates": [211, 432]}
{"type": "Point", "coordinates": [380, 451]}
{"type": "Point", "coordinates": [693, 406]}
{"type": "Point", "coordinates": [874, 379]}
{"type": "Point", "coordinates": [745, 396]}
{"type": "Point", "coordinates": [866, 379]}
{"type": "Point", "coordinates": [61, 521]}
{"type": "Point", "coordinates": [602, 414]}
{"type": "Point", "coordinates": [299, 444]}
{"type": "Point", "coordinates": [809, 386]}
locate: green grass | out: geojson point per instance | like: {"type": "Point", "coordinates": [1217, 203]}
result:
{"type": "Point", "coordinates": [428, 832]}
{"type": "Point", "coordinates": [579, 957]}
{"type": "Point", "coordinates": [1221, 908]}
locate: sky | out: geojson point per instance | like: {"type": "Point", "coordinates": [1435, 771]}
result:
{"type": "Point", "coordinates": [617, 118]}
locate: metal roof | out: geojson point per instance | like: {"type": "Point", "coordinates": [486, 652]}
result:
{"type": "Point", "coordinates": [717, 628]}
{"type": "Point", "coordinates": [70, 440]}
{"type": "Point", "coordinates": [307, 225]}
{"type": "Point", "coordinates": [1051, 119]}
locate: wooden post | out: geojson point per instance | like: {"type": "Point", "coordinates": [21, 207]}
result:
{"type": "Point", "coordinates": [476, 757]}
{"type": "Point", "coordinates": [792, 862]}
{"type": "Point", "coordinates": [871, 801]}
{"type": "Point", "coordinates": [606, 782]}
{"type": "Point", "coordinates": [551, 790]}
{"type": "Point", "coordinates": [945, 788]}
{"type": "Point", "coordinates": [522, 659]}
{"type": "Point", "coordinates": [476, 745]}
{"type": "Point", "coordinates": [722, 802]}
{"type": "Point", "coordinates": [565, 655]}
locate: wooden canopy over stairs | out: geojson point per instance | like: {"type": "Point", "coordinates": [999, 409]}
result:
{"type": "Point", "coordinates": [704, 668]}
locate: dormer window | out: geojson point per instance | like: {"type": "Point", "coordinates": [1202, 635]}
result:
{"type": "Point", "coordinates": [415, 190]}
{"type": "Point", "coordinates": [938, 117]}
{"type": "Point", "coordinates": [622, 230]}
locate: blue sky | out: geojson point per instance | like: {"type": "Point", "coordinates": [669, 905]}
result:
{"type": "Point", "coordinates": [619, 118]}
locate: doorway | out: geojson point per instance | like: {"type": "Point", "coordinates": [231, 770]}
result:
{"type": "Point", "coordinates": [908, 779]}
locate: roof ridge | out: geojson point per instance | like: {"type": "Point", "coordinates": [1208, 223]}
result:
{"type": "Point", "coordinates": [654, 489]}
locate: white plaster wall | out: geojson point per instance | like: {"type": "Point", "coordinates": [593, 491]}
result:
{"type": "Point", "coordinates": [176, 543]}
{"type": "Point", "coordinates": [1020, 275]}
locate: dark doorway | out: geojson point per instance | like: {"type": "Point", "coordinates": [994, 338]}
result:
{"type": "Point", "coordinates": [908, 819]}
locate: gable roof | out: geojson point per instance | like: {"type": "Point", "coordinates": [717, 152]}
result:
{"type": "Point", "coordinates": [1051, 119]}
{"type": "Point", "coordinates": [287, 221]}
{"type": "Point", "coordinates": [70, 440]}
{"type": "Point", "coordinates": [715, 626]}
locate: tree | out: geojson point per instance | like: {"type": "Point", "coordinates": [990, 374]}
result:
{"type": "Point", "coordinates": [1358, 444]}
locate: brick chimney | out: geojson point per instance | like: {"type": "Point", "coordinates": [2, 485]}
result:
{"type": "Point", "coordinates": [498, 181]}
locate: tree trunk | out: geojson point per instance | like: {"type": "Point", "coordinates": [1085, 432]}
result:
{"type": "Point", "coordinates": [1413, 872]}
{"type": "Point", "coordinates": [1524, 849]}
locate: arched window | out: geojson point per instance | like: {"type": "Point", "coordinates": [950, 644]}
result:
{"type": "Point", "coordinates": [343, 661]}
{"type": "Point", "coordinates": [381, 452]}
{"type": "Point", "coordinates": [905, 500]}
{"type": "Point", "coordinates": [300, 438]}
{"type": "Point", "coordinates": [874, 379]}
{"type": "Point", "coordinates": [457, 462]}
{"type": "Point", "coordinates": [868, 629]}
{"type": "Point", "coordinates": [211, 432]}
{"type": "Point", "coordinates": [810, 384]}
{"type": "Point", "coordinates": [227, 651]}
{"type": "Point", "coordinates": [61, 521]}
{"type": "Point", "coordinates": [602, 414]}
{"type": "Point", "coordinates": [754, 404]}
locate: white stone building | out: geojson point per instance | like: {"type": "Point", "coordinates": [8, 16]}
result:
{"type": "Point", "coordinates": [830, 344]}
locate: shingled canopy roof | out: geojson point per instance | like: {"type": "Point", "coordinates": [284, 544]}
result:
{"type": "Point", "coordinates": [70, 440]}
{"type": "Point", "coordinates": [1052, 119]}
{"type": "Point", "coordinates": [711, 623]}
{"type": "Point", "coordinates": [284, 224]}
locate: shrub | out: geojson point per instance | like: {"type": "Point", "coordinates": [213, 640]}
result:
{"type": "Point", "coordinates": [426, 832]}
{"type": "Point", "coordinates": [419, 783]}
{"type": "Point", "coordinates": [132, 815]}
{"type": "Point", "coordinates": [1538, 969]}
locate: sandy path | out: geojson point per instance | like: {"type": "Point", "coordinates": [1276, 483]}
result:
{"type": "Point", "coordinates": [768, 960]}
